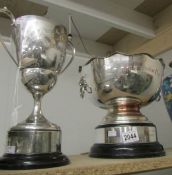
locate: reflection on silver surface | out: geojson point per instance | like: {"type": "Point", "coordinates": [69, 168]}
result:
{"type": "Point", "coordinates": [112, 135]}
{"type": "Point", "coordinates": [34, 142]}
{"type": "Point", "coordinates": [41, 43]}
{"type": "Point", "coordinates": [120, 75]}
{"type": "Point", "coordinates": [122, 84]}
{"type": "Point", "coordinates": [38, 80]}
{"type": "Point", "coordinates": [41, 56]}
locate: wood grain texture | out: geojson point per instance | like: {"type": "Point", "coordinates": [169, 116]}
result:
{"type": "Point", "coordinates": [84, 165]}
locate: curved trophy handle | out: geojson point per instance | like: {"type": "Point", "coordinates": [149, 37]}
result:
{"type": "Point", "coordinates": [71, 59]}
{"type": "Point", "coordinates": [84, 87]}
{"type": "Point", "coordinates": [9, 14]}
{"type": "Point", "coordinates": [12, 18]}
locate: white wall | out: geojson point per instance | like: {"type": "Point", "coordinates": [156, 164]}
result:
{"type": "Point", "coordinates": [63, 106]}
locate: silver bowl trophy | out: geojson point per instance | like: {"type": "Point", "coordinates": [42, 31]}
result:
{"type": "Point", "coordinates": [41, 56]}
{"type": "Point", "coordinates": [122, 84]}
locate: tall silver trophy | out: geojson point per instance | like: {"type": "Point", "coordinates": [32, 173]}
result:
{"type": "Point", "coordinates": [122, 84]}
{"type": "Point", "coordinates": [41, 56]}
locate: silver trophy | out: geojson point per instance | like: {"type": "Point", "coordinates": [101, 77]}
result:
{"type": "Point", "coordinates": [41, 56]}
{"type": "Point", "coordinates": [122, 84]}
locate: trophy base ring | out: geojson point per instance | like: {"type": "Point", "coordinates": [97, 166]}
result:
{"type": "Point", "coordinates": [134, 150]}
{"type": "Point", "coordinates": [34, 161]}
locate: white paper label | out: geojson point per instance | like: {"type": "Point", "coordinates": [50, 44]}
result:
{"type": "Point", "coordinates": [130, 136]}
{"type": "Point", "coordinates": [112, 133]}
{"type": "Point", "coordinates": [11, 149]}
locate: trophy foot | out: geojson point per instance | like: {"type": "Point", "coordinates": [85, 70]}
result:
{"type": "Point", "coordinates": [134, 150]}
{"type": "Point", "coordinates": [34, 161]}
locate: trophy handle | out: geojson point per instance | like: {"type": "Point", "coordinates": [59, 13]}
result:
{"type": "Point", "coordinates": [72, 57]}
{"type": "Point", "coordinates": [12, 18]}
{"type": "Point", "coordinates": [8, 13]}
{"type": "Point", "coordinates": [84, 87]}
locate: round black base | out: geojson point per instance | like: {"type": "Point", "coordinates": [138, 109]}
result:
{"type": "Point", "coordinates": [134, 150]}
{"type": "Point", "coordinates": [34, 161]}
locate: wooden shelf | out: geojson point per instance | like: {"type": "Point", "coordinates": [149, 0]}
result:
{"type": "Point", "coordinates": [84, 165]}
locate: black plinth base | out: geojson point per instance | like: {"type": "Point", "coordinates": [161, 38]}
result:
{"type": "Point", "coordinates": [134, 150]}
{"type": "Point", "coordinates": [34, 161]}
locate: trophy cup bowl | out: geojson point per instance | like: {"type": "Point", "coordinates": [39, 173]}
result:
{"type": "Point", "coordinates": [122, 84]}
{"type": "Point", "coordinates": [41, 57]}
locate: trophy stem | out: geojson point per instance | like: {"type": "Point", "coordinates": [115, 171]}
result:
{"type": "Point", "coordinates": [36, 115]}
{"type": "Point", "coordinates": [124, 110]}
{"type": "Point", "coordinates": [37, 112]}
{"type": "Point", "coordinates": [126, 106]}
